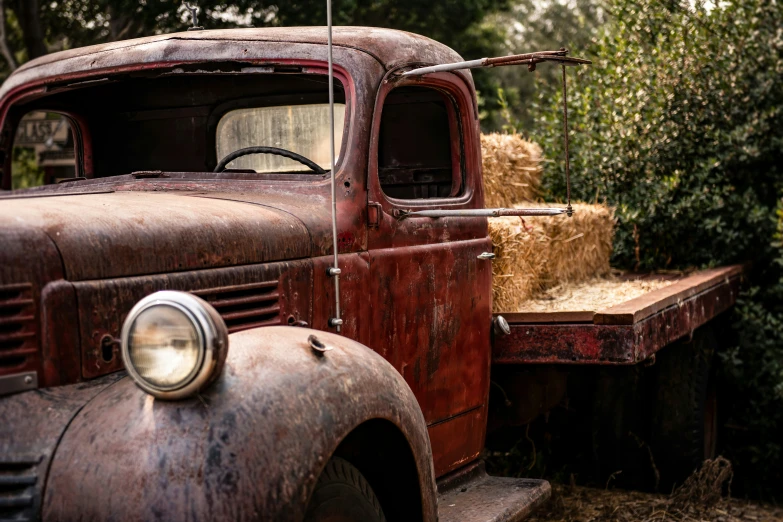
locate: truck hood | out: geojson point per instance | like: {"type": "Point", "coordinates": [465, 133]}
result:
{"type": "Point", "coordinates": [118, 234]}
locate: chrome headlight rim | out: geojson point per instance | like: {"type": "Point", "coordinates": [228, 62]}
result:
{"type": "Point", "coordinates": [210, 330]}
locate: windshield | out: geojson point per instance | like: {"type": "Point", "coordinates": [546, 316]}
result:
{"type": "Point", "coordinates": [303, 129]}
{"type": "Point", "coordinates": [174, 122]}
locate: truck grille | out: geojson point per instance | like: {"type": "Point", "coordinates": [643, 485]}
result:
{"type": "Point", "coordinates": [18, 330]}
{"type": "Point", "coordinates": [245, 306]}
{"type": "Point", "coordinates": [17, 489]}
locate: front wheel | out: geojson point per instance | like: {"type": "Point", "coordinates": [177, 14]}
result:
{"type": "Point", "coordinates": [342, 494]}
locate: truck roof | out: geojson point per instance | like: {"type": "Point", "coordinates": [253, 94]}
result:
{"type": "Point", "coordinates": [389, 47]}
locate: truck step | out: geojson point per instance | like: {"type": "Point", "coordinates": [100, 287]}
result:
{"type": "Point", "coordinates": [474, 496]}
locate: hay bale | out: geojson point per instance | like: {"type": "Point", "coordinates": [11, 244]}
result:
{"type": "Point", "coordinates": [580, 246]}
{"type": "Point", "coordinates": [518, 264]}
{"type": "Point", "coordinates": [541, 252]}
{"type": "Point", "coordinates": [512, 169]}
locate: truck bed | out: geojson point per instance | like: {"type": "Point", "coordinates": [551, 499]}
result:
{"type": "Point", "coordinates": [627, 333]}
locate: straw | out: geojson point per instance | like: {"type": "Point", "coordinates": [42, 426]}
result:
{"type": "Point", "coordinates": [512, 169]}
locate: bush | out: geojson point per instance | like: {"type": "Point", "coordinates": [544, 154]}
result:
{"type": "Point", "coordinates": [25, 172]}
{"type": "Point", "coordinates": [679, 124]}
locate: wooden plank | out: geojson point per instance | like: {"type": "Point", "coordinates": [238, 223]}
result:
{"type": "Point", "coordinates": [676, 322]}
{"type": "Point", "coordinates": [548, 317]}
{"type": "Point", "coordinates": [613, 344]}
{"type": "Point", "coordinates": [644, 306]}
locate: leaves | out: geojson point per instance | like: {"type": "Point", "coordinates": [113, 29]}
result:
{"type": "Point", "coordinates": [679, 119]}
{"type": "Point", "coordinates": [76, 23]}
{"type": "Point", "coordinates": [679, 123]}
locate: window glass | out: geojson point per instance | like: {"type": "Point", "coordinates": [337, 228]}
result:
{"type": "Point", "coordinates": [415, 146]}
{"type": "Point", "coordinates": [303, 129]}
{"type": "Point", "coordinates": [43, 151]}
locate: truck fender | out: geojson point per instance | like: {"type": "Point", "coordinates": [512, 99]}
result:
{"type": "Point", "coordinates": [250, 447]}
{"type": "Point", "coordinates": [31, 425]}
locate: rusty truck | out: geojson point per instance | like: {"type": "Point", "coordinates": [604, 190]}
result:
{"type": "Point", "coordinates": [169, 345]}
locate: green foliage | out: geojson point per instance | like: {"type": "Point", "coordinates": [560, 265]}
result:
{"type": "Point", "coordinates": [531, 25]}
{"type": "Point", "coordinates": [25, 172]}
{"type": "Point", "coordinates": [511, 123]}
{"type": "Point", "coordinates": [679, 124]}
{"type": "Point", "coordinates": [85, 22]}
{"type": "Point", "coordinates": [753, 375]}
{"type": "Point", "coordinates": [75, 23]}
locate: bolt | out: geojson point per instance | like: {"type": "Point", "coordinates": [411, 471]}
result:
{"type": "Point", "coordinates": [500, 326]}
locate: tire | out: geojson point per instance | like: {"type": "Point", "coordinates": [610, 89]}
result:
{"type": "Point", "coordinates": [684, 408]}
{"type": "Point", "coordinates": [342, 494]}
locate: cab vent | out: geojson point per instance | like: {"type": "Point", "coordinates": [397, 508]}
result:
{"type": "Point", "coordinates": [245, 306]}
{"type": "Point", "coordinates": [17, 489]}
{"type": "Point", "coordinates": [18, 330]}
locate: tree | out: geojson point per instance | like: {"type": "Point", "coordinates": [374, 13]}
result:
{"type": "Point", "coordinates": [4, 49]}
{"type": "Point", "coordinates": [61, 24]}
{"type": "Point", "coordinates": [533, 25]}
{"type": "Point", "coordinates": [679, 125]}
{"type": "Point", "coordinates": [27, 12]}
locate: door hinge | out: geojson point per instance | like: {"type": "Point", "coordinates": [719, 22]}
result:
{"type": "Point", "coordinates": [374, 213]}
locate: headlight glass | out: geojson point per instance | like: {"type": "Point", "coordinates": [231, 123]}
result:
{"type": "Point", "coordinates": [165, 346]}
{"type": "Point", "coordinates": [174, 344]}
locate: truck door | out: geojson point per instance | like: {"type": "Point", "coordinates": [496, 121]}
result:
{"type": "Point", "coordinates": [430, 303]}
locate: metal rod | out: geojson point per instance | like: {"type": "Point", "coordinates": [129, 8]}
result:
{"type": "Point", "coordinates": [336, 321]}
{"type": "Point", "coordinates": [447, 67]}
{"type": "Point", "coordinates": [484, 212]}
{"type": "Point", "coordinates": [515, 59]}
{"type": "Point", "coordinates": [570, 210]}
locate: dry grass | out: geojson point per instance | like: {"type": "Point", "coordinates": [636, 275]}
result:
{"type": "Point", "coordinates": [512, 169]}
{"type": "Point", "coordinates": [698, 500]}
{"type": "Point", "coordinates": [538, 253]}
{"type": "Point", "coordinates": [591, 295]}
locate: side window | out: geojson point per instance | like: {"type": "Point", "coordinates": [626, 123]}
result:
{"type": "Point", "coordinates": [43, 151]}
{"type": "Point", "coordinates": [419, 154]}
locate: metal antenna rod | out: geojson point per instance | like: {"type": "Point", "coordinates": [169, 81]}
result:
{"type": "Point", "coordinates": [194, 16]}
{"type": "Point", "coordinates": [336, 321]}
{"type": "Point", "coordinates": [569, 209]}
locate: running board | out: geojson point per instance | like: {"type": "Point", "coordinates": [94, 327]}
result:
{"type": "Point", "coordinates": [470, 495]}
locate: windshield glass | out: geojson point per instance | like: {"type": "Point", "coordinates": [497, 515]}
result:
{"type": "Point", "coordinates": [180, 122]}
{"type": "Point", "coordinates": [303, 129]}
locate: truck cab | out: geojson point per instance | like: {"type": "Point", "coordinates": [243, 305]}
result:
{"type": "Point", "coordinates": [147, 205]}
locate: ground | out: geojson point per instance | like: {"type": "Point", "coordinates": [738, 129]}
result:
{"type": "Point", "coordinates": [701, 499]}
{"type": "Point", "coordinates": [579, 504]}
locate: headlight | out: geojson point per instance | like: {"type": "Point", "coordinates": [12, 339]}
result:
{"type": "Point", "coordinates": [174, 344]}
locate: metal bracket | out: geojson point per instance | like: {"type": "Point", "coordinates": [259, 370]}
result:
{"type": "Point", "coordinates": [486, 255]}
{"type": "Point", "coordinates": [335, 322]}
{"type": "Point", "coordinates": [18, 382]}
